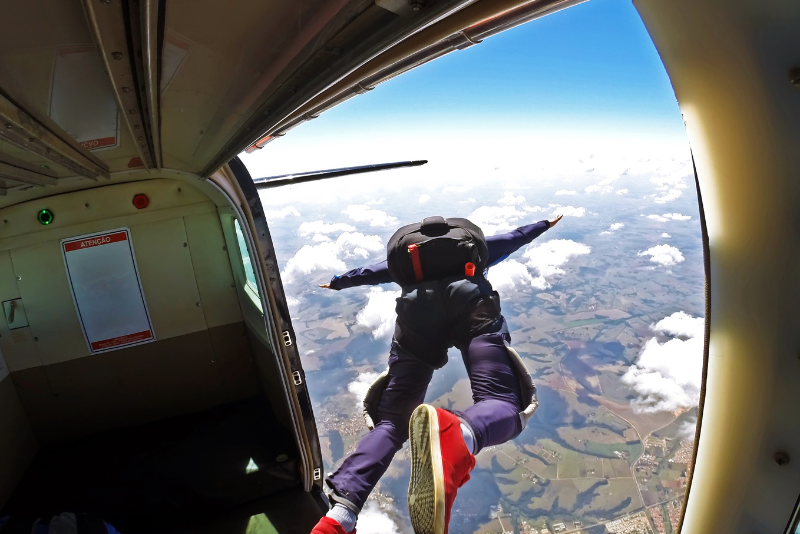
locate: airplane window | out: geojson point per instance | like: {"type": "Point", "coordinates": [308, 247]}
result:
{"type": "Point", "coordinates": [571, 115]}
{"type": "Point", "coordinates": [246, 263]}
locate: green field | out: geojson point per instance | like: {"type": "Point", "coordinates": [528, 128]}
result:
{"type": "Point", "coordinates": [606, 450]}
{"type": "Point", "coordinates": [568, 465]}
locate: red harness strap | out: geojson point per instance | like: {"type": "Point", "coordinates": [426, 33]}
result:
{"type": "Point", "coordinates": [414, 251]}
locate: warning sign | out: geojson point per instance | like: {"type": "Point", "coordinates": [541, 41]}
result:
{"type": "Point", "coordinates": [107, 290]}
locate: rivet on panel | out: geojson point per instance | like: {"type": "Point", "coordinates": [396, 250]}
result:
{"type": "Point", "coordinates": [87, 204]}
{"type": "Point", "coordinates": [36, 339]}
{"type": "Point", "coordinates": [141, 137]}
{"type": "Point", "coordinates": [781, 458]}
{"type": "Point", "coordinates": [185, 245]}
{"type": "Point", "coordinates": [224, 247]}
{"type": "Point", "coordinates": [19, 278]}
{"type": "Point", "coordinates": [179, 190]}
{"type": "Point", "coordinates": [132, 111]}
{"type": "Point", "coordinates": [197, 304]}
{"type": "Point", "coordinates": [126, 89]}
{"type": "Point", "coordinates": [116, 55]}
{"type": "Point", "coordinates": [8, 126]}
{"type": "Point", "coordinates": [31, 139]}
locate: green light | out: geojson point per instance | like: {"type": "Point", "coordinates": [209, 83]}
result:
{"type": "Point", "coordinates": [45, 216]}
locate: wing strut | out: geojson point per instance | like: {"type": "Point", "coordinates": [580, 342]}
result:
{"type": "Point", "coordinates": [301, 177]}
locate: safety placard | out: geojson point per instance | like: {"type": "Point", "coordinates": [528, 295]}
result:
{"type": "Point", "coordinates": [107, 290]}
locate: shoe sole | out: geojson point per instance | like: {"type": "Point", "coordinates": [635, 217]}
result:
{"type": "Point", "coordinates": [426, 489]}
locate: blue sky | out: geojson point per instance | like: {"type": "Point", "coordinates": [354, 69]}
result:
{"type": "Point", "coordinates": [590, 72]}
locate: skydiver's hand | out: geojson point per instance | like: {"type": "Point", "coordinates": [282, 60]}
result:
{"type": "Point", "coordinates": [325, 286]}
{"type": "Point", "coordinates": [553, 222]}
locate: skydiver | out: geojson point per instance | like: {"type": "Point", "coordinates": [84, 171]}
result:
{"type": "Point", "coordinates": [444, 302]}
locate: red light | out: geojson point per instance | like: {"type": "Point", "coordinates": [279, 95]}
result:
{"type": "Point", "coordinates": [140, 201]}
{"type": "Point", "coordinates": [469, 269]}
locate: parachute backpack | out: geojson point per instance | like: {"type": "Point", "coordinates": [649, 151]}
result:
{"type": "Point", "coordinates": [434, 249]}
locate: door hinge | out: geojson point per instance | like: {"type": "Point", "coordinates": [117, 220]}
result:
{"type": "Point", "coordinates": [297, 378]}
{"type": "Point", "coordinates": [287, 338]}
{"type": "Point", "coordinates": [317, 473]}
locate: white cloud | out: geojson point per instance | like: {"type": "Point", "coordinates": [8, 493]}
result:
{"type": "Point", "coordinates": [379, 313]}
{"type": "Point", "coordinates": [456, 189]}
{"type": "Point", "coordinates": [320, 237]}
{"type": "Point", "coordinates": [621, 191]}
{"type": "Point", "coordinates": [688, 429]}
{"type": "Point", "coordinates": [681, 325]}
{"type": "Point", "coordinates": [360, 386]}
{"type": "Point", "coordinates": [566, 192]}
{"type": "Point", "coordinates": [666, 235]}
{"type": "Point", "coordinates": [329, 256]}
{"type": "Point", "coordinates": [548, 257]}
{"type": "Point", "coordinates": [374, 520]}
{"type": "Point", "coordinates": [424, 198]}
{"type": "Point", "coordinates": [281, 213]}
{"type": "Point", "coordinates": [511, 275]}
{"type": "Point", "coordinates": [494, 219]}
{"type": "Point", "coordinates": [509, 199]}
{"type": "Point", "coordinates": [568, 211]}
{"type": "Point", "coordinates": [470, 200]}
{"type": "Point", "coordinates": [669, 196]}
{"type": "Point", "coordinates": [376, 202]}
{"type": "Point", "coordinates": [665, 255]}
{"type": "Point", "coordinates": [363, 213]}
{"type": "Point", "coordinates": [533, 209]}
{"type": "Point", "coordinates": [613, 228]}
{"type": "Point", "coordinates": [667, 376]}
{"type": "Point", "coordinates": [673, 181]}
{"type": "Point", "coordinates": [319, 227]}
{"type": "Point", "coordinates": [601, 188]}
{"type": "Point", "coordinates": [669, 216]}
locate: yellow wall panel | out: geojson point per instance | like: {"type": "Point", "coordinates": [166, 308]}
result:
{"type": "Point", "coordinates": [168, 279]}
{"type": "Point", "coordinates": [18, 346]}
{"type": "Point", "coordinates": [212, 269]}
{"type": "Point", "coordinates": [44, 289]}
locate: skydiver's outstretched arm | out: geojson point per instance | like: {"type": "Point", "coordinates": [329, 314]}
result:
{"type": "Point", "coordinates": [502, 245]}
{"type": "Point", "coordinates": [371, 275]}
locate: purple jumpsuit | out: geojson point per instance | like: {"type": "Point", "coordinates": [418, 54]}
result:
{"type": "Point", "coordinates": [494, 416]}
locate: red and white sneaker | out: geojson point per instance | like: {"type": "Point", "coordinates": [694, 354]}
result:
{"type": "Point", "coordinates": [440, 464]}
{"type": "Point", "coordinates": [328, 525]}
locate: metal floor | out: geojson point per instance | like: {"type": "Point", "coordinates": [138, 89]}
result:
{"type": "Point", "coordinates": [205, 472]}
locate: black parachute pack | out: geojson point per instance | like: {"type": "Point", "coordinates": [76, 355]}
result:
{"type": "Point", "coordinates": [434, 249]}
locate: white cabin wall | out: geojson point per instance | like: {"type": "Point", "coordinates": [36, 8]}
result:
{"type": "Point", "coordinates": [201, 356]}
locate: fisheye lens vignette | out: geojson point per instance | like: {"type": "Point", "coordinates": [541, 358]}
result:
{"type": "Point", "coordinates": [605, 309]}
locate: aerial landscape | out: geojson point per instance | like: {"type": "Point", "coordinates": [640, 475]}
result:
{"type": "Point", "coordinates": [605, 309]}
{"type": "Point", "coordinates": [571, 114]}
